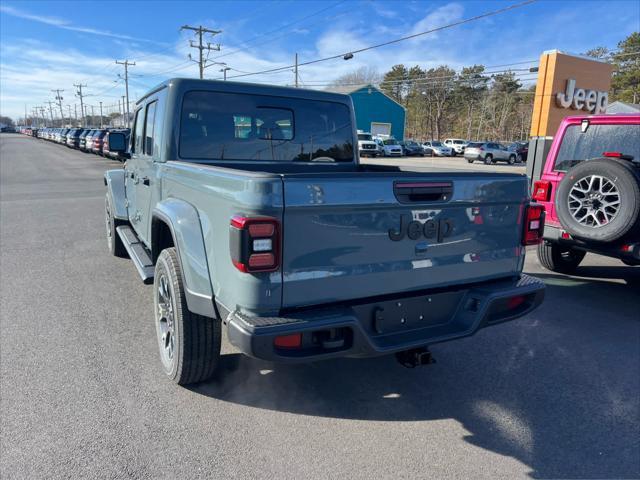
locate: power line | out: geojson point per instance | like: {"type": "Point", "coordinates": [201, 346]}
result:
{"type": "Point", "coordinates": [247, 44]}
{"type": "Point", "coordinates": [397, 40]}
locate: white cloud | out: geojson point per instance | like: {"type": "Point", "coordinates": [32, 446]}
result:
{"type": "Point", "coordinates": [450, 13]}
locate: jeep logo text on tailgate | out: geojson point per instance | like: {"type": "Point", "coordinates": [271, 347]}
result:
{"type": "Point", "coordinates": [414, 230]}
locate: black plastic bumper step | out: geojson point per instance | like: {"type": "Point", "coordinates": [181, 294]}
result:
{"type": "Point", "coordinates": [137, 252]}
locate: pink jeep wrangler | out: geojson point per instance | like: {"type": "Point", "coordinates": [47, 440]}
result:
{"type": "Point", "coordinates": [590, 188]}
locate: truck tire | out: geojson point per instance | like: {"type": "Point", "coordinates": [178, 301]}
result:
{"type": "Point", "coordinates": [488, 160]}
{"type": "Point", "coordinates": [114, 243]}
{"type": "Point", "coordinates": [559, 259]}
{"type": "Point", "coordinates": [189, 343]}
{"type": "Point", "coordinates": [599, 200]}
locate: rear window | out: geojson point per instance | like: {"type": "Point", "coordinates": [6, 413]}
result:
{"type": "Point", "coordinates": [577, 145]}
{"type": "Point", "coordinates": [231, 126]}
{"type": "Point", "coordinates": [474, 145]}
{"type": "Point", "coordinates": [436, 144]}
{"type": "Point", "coordinates": [364, 136]}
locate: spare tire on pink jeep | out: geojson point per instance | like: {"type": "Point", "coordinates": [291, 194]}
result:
{"type": "Point", "coordinates": [599, 200]}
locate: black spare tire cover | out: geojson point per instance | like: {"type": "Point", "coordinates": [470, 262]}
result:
{"type": "Point", "coordinates": [599, 200]}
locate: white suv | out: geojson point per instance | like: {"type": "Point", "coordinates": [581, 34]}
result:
{"type": "Point", "coordinates": [457, 145]}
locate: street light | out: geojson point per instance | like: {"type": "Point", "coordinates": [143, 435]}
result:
{"type": "Point", "coordinates": [224, 72]}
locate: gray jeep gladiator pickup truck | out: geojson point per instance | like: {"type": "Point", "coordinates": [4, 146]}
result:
{"type": "Point", "coordinates": [246, 207]}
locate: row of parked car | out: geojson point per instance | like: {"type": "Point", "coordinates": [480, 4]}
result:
{"type": "Point", "coordinates": [489, 152]}
{"type": "Point", "coordinates": [90, 140]}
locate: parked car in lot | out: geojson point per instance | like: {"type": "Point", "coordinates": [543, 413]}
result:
{"type": "Point", "coordinates": [391, 148]}
{"type": "Point", "coordinates": [407, 258]}
{"type": "Point", "coordinates": [88, 140]}
{"type": "Point", "coordinates": [411, 149]}
{"type": "Point", "coordinates": [62, 135]}
{"type": "Point", "coordinates": [521, 149]}
{"type": "Point", "coordinates": [436, 149]}
{"type": "Point", "coordinates": [73, 137]}
{"type": "Point", "coordinates": [366, 145]}
{"type": "Point", "coordinates": [96, 141]}
{"type": "Point", "coordinates": [456, 145]}
{"type": "Point", "coordinates": [105, 144]}
{"type": "Point", "coordinates": [590, 187]}
{"type": "Point", "coordinates": [489, 152]}
{"type": "Point", "coordinates": [82, 140]}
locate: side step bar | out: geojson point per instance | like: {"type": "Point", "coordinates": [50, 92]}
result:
{"type": "Point", "coordinates": [137, 252]}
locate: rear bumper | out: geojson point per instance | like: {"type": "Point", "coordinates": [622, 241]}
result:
{"type": "Point", "coordinates": [386, 326]}
{"type": "Point", "coordinates": [621, 250]}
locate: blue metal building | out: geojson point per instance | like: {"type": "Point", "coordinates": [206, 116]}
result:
{"type": "Point", "coordinates": [375, 111]}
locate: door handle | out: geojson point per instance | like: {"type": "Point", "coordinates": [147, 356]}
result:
{"type": "Point", "coordinates": [145, 181]}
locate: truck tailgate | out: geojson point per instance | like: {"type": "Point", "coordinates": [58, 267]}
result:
{"type": "Point", "coordinates": [349, 236]}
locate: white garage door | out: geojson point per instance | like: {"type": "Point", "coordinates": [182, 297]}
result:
{"type": "Point", "coordinates": [378, 128]}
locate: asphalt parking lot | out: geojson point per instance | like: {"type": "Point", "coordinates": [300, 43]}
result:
{"type": "Point", "coordinates": [552, 395]}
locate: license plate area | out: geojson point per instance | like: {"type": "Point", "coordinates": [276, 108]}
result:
{"type": "Point", "coordinates": [393, 316]}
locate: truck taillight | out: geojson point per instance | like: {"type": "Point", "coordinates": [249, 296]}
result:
{"type": "Point", "coordinates": [533, 225]}
{"type": "Point", "coordinates": [541, 191]}
{"type": "Point", "coordinates": [254, 244]}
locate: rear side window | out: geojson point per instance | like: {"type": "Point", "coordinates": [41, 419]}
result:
{"type": "Point", "coordinates": [149, 127]}
{"type": "Point", "coordinates": [233, 126]}
{"type": "Point", "coordinates": [577, 145]}
{"type": "Point", "coordinates": [137, 132]}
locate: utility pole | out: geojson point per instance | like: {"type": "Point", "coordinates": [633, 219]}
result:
{"type": "Point", "coordinates": [25, 114]}
{"type": "Point", "coordinates": [224, 72]}
{"type": "Point", "coordinates": [75, 112]}
{"type": "Point", "coordinates": [69, 108]}
{"type": "Point", "coordinates": [100, 114]}
{"type": "Point", "coordinates": [201, 48]}
{"type": "Point", "coordinates": [124, 110]}
{"type": "Point", "coordinates": [93, 115]}
{"type": "Point", "coordinates": [59, 99]}
{"type": "Point", "coordinates": [79, 95]}
{"type": "Point", "coordinates": [126, 64]}
{"type": "Point", "coordinates": [296, 69]}
{"type": "Point", "coordinates": [51, 111]}
{"type": "Point", "coordinates": [44, 117]}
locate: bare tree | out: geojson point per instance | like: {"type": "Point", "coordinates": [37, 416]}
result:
{"type": "Point", "coordinates": [361, 76]}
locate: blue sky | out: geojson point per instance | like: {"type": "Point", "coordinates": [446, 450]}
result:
{"type": "Point", "coordinates": [49, 45]}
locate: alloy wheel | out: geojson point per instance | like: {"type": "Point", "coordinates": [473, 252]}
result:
{"type": "Point", "coordinates": [594, 201]}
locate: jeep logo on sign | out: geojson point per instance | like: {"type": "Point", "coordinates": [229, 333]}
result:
{"type": "Point", "coordinates": [438, 229]}
{"type": "Point", "coordinates": [592, 101]}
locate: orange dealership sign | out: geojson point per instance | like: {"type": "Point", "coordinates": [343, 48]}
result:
{"type": "Point", "coordinates": [568, 85]}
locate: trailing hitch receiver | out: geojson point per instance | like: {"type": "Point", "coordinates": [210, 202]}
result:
{"type": "Point", "coordinates": [415, 357]}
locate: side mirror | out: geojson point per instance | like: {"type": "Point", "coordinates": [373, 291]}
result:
{"type": "Point", "coordinates": [117, 142]}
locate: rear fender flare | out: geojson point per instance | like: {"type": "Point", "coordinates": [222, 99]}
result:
{"type": "Point", "coordinates": [114, 181]}
{"type": "Point", "coordinates": [184, 223]}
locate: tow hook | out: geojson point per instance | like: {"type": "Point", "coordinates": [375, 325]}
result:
{"type": "Point", "coordinates": [415, 357]}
